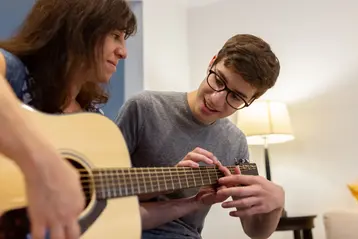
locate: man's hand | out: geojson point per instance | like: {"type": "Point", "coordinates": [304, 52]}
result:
{"type": "Point", "coordinates": [207, 194]}
{"type": "Point", "coordinates": [198, 155]}
{"type": "Point", "coordinates": [258, 196]}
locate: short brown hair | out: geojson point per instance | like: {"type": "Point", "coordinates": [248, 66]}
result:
{"type": "Point", "coordinates": [253, 59]}
{"type": "Point", "coordinates": [57, 37]}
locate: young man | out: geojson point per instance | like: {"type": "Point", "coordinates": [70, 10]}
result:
{"type": "Point", "coordinates": [170, 124]}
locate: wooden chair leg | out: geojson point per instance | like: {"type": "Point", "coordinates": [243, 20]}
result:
{"type": "Point", "coordinates": [297, 234]}
{"type": "Point", "coordinates": [307, 234]}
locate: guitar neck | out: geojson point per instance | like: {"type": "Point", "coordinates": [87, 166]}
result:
{"type": "Point", "coordinates": [121, 182]}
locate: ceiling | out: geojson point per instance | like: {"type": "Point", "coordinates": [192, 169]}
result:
{"type": "Point", "coordinates": [186, 3]}
{"type": "Point", "coordinates": [198, 3]}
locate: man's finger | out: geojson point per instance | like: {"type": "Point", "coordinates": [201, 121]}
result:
{"type": "Point", "coordinates": [239, 180]}
{"type": "Point", "coordinates": [247, 212]}
{"type": "Point", "coordinates": [221, 187]}
{"type": "Point", "coordinates": [242, 203]}
{"type": "Point", "coordinates": [225, 170]}
{"type": "Point", "coordinates": [188, 163]}
{"type": "Point", "coordinates": [196, 157]}
{"type": "Point", "coordinates": [204, 152]}
{"type": "Point", "coordinates": [237, 170]}
{"type": "Point", "coordinates": [208, 154]}
{"type": "Point", "coordinates": [245, 191]}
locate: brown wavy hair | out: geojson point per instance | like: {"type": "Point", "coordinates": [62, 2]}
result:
{"type": "Point", "coordinates": [60, 36]}
{"type": "Point", "coordinates": [252, 58]}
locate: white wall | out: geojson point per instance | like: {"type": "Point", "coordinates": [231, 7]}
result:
{"type": "Point", "coordinates": [165, 37]}
{"type": "Point", "coordinates": [315, 42]}
{"type": "Point", "coordinates": [133, 66]}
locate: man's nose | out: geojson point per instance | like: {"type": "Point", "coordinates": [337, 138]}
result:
{"type": "Point", "coordinates": [219, 98]}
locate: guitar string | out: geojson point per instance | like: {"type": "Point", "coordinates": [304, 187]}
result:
{"type": "Point", "coordinates": [147, 171]}
{"type": "Point", "coordinates": [119, 191]}
{"type": "Point", "coordinates": [176, 173]}
{"type": "Point", "coordinates": [113, 177]}
{"type": "Point", "coordinates": [155, 184]}
{"type": "Point", "coordinates": [175, 168]}
{"type": "Point", "coordinates": [127, 184]}
{"type": "Point", "coordinates": [109, 179]}
{"type": "Point", "coordinates": [117, 175]}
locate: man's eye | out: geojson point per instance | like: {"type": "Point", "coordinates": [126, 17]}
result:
{"type": "Point", "coordinates": [218, 81]}
{"type": "Point", "coordinates": [236, 97]}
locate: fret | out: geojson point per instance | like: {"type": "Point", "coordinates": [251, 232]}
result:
{"type": "Point", "coordinates": [150, 179]}
{"type": "Point", "coordinates": [157, 174]}
{"type": "Point", "coordinates": [192, 171]}
{"type": "Point", "coordinates": [186, 177]}
{"type": "Point", "coordinates": [201, 176]}
{"type": "Point", "coordinates": [164, 179]}
{"type": "Point", "coordinates": [179, 179]}
{"type": "Point", "coordinates": [100, 185]}
{"type": "Point", "coordinates": [107, 186]}
{"type": "Point", "coordinates": [120, 183]}
{"type": "Point", "coordinates": [207, 170]}
{"type": "Point", "coordinates": [184, 171]}
{"type": "Point", "coordinates": [171, 177]}
{"type": "Point", "coordinates": [110, 185]}
{"type": "Point", "coordinates": [114, 184]}
{"type": "Point", "coordinates": [131, 181]}
{"type": "Point", "coordinates": [138, 185]}
{"type": "Point", "coordinates": [124, 183]}
{"type": "Point", "coordinates": [143, 181]}
{"type": "Point", "coordinates": [96, 184]}
{"type": "Point", "coordinates": [108, 178]}
{"type": "Point", "coordinates": [103, 184]}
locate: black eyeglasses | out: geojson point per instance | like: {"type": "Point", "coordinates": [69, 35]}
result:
{"type": "Point", "coordinates": [233, 99]}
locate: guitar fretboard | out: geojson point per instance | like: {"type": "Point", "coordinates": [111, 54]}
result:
{"type": "Point", "coordinates": [113, 183]}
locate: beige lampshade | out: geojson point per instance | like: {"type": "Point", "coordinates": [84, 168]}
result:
{"type": "Point", "coordinates": [265, 122]}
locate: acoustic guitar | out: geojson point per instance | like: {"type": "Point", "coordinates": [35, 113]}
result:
{"type": "Point", "coordinates": [94, 145]}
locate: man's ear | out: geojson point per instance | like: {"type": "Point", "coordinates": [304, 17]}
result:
{"type": "Point", "coordinates": [212, 62]}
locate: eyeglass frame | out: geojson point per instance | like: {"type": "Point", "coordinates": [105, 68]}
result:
{"type": "Point", "coordinates": [228, 91]}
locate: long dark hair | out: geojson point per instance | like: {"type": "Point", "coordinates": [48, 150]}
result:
{"type": "Point", "coordinates": [58, 37]}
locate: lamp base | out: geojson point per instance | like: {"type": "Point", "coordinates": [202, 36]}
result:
{"type": "Point", "coordinates": [268, 173]}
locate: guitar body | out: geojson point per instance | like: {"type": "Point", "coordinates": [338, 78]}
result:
{"type": "Point", "coordinates": [86, 140]}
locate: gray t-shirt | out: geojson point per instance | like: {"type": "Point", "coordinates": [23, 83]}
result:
{"type": "Point", "coordinates": [160, 130]}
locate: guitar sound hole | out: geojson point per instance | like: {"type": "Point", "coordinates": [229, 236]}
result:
{"type": "Point", "coordinates": [85, 180]}
{"type": "Point", "coordinates": [15, 224]}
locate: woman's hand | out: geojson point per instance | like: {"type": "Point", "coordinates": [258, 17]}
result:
{"type": "Point", "coordinates": [55, 196]}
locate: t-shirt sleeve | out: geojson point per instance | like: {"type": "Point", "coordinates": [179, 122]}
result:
{"type": "Point", "coordinates": [15, 73]}
{"type": "Point", "coordinates": [130, 120]}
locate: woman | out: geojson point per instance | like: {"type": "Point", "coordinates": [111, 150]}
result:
{"type": "Point", "coordinates": [57, 63]}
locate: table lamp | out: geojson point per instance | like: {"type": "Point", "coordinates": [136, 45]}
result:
{"type": "Point", "coordinates": [265, 123]}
